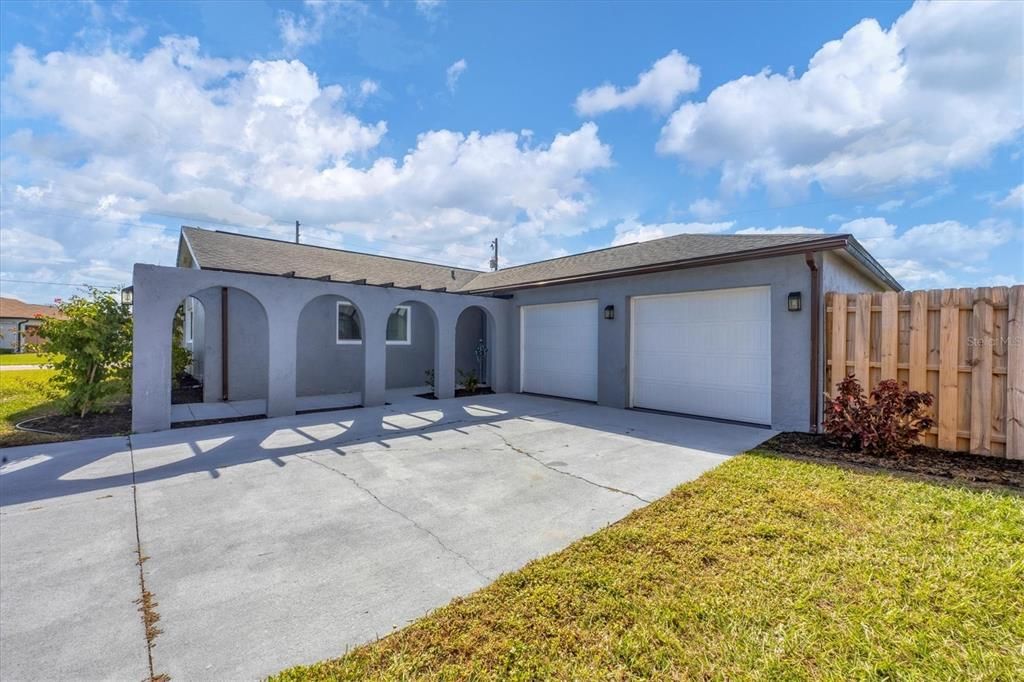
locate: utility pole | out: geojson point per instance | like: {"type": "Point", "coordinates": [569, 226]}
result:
{"type": "Point", "coordinates": [494, 258]}
{"type": "Point", "coordinates": [296, 231]}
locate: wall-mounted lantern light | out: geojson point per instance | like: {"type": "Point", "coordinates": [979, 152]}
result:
{"type": "Point", "coordinates": [609, 312]}
{"type": "Point", "coordinates": [793, 303]}
{"type": "Point", "coordinates": [127, 295]}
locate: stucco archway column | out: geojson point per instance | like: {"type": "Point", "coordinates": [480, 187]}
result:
{"type": "Point", "coordinates": [282, 324]}
{"type": "Point", "coordinates": [444, 357]}
{"type": "Point", "coordinates": [375, 353]}
{"type": "Point", "coordinates": [152, 317]}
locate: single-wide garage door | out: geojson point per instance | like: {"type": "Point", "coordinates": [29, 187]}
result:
{"type": "Point", "coordinates": [559, 349]}
{"type": "Point", "coordinates": [704, 353]}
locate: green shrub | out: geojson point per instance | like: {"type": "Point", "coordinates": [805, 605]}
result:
{"type": "Point", "coordinates": [470, 381]}
{"type": "Point", "coordinates": [92, 347]}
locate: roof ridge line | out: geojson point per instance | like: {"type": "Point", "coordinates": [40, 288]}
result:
{"type": "Point", "coordinates": [331, 248]}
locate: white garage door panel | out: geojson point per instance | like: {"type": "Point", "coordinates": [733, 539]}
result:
{"type": "Point", "coordinates": [705, 353]}
{"type": "Point", "coordinates": [559, 349]}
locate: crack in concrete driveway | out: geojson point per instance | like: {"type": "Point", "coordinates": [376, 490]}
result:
{"type": "Point", "coordinates": [393, 510]}
{"type": "Point", "coordinates": [544, 464]}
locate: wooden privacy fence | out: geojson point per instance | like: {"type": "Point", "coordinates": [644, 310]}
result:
{"type": "Point", "coordinates": [964, 346]}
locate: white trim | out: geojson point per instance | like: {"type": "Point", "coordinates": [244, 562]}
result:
{"type": "Point", "coordinates": [191, 252]}
{"type": "Point", "coordinates": [337, 325]}
{"type": "Point", "coordinates": [408, 327]}
{"type": "Point", "coordinates": [357, 342]}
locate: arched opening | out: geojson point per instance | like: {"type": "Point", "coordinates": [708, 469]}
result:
{"type": "Point", "coordinates": [474, 351]}
{"type": "Point", "coordinates": [188, 335]}
{"type": "Point", "coordinates": [411, 339]}
{"type": "Point", "coordinates": [219, 357]}
{"type": "Point", "coordinates": [329, 362]}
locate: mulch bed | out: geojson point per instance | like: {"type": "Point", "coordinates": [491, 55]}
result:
{"type": "Point", "coordinates": [117, 422]}
{"type": "Point", "coordinates": [459, 393]}
{"type": "Point", "coordinates": [921, 460]}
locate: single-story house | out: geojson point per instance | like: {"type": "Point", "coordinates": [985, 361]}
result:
{"type": "Point", "coordinates": [19, 322]}
{"type": "Point", "coordinates": [721, 326]}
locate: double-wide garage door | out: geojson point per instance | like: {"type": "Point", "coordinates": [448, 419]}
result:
{"type": "Point", "coordinates": [705, 353]}
{"type": "Point", "coordinates": [558, 345]}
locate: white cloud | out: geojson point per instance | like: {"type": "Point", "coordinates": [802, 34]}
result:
{"type": "Point", "coordinates": [368, 87]}
{"type": "Point", "coordinates": [928, 254]}
{"type": "Point", "coordinates": [629, 230]}
{"type": "Point", "coordinates": [302, 29]}
{"type": "Point", "coordinates": [453, 72]}
{"type": "Point", "coordinates": [706, 209]}
{"type": "Point", "coordinates": [262, 143]}
{"type": "Point", "coordinates": [836, 218]}
{"type": "Point", "coordinates": [658, 88]}
{"type": "Point", "coordinates": [936, 92]}
{"type": "Point", "coordinates": [782, 229]}
{"type": "Point", "coordinates": [1013, 199]}
{"type": "Point", "coordinates": [428, 8]}
{"type": "Point", "coordinates": [890, 205]}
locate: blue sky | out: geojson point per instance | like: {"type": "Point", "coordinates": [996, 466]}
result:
{"type": "Point", "coordinates": [426, 129]}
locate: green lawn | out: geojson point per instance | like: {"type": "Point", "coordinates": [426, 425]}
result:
{"type": "Point", "coordinates": [765, 568]}
{"type": "Point", "coordinates": [24, 358]}
{"type": "Point", "coordinates": [23, 395]}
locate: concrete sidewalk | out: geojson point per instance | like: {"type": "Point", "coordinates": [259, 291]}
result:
{"type": "Point", "coordinates": [277, 542]}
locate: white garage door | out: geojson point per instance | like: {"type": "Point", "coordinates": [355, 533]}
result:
{"type": "Point", "coordinates": [559, 349]}
{"type": "Point", "coordinates": [705, 353]}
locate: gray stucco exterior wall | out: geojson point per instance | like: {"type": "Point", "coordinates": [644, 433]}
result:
{"type": "Point", "coordinates": [790, 336]}
{"type": "Point", "coordinates": [283, 333]}
{"type": "Point", "coordinates": [839, 275]}
{"type": "Point", "coordinates": [159, 290]}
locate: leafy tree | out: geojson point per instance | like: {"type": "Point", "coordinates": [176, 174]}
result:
{"type": "Point", "coordinates": [92, 343]}
{"type": "Point", "coordinates": [181, 357]}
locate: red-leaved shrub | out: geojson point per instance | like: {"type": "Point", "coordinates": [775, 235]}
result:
{"type": "Point", "coordinates": [888, 423]}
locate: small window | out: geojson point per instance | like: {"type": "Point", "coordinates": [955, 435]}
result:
{"type": "Point", "coordinates": [348, 324]}
{"type": "Point", "coordinates": [399, 331]}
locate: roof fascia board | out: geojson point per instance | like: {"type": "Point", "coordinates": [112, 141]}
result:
{"type": "Point", "coordinates": [872, 266]}
{"type": "Point", "coordinates": [191, 251]}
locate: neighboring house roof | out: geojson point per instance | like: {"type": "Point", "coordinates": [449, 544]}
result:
{"type": "Point", "coordinates": [228, 251]}
{"type": "Point", "coordinates": [12, 308]}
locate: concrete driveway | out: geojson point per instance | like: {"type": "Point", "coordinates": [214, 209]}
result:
{"type": "Point", "coordinates": [276, 542]}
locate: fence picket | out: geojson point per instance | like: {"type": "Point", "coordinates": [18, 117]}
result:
{"type": "Point", "coordinates": [1015, 374]}
{"type": "Point", "coordinates": [965, 346]}
{"type": "Point", "coordinates": [862, 340]}
{"type": "Point", "coordinates": [838, 339]}
{"type": "Point", "coordinates": [980, 348]}
{"type": "Point", "coordinates": [889, 335]}
{"type": "Point", "coordinates": [949, 364]}
{"type": "Point", "coordinates": [918, 341]}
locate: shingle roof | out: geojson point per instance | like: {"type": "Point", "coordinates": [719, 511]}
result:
{"type": "Point", "coordinates": [680, 247]}
{"type": "Point", "coordinates": [13, 308]}
{"type": "Point", "coordinates": [229, 251]}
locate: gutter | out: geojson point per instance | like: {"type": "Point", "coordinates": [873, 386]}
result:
{"type": "Point", "coordinates": [816, 307]}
